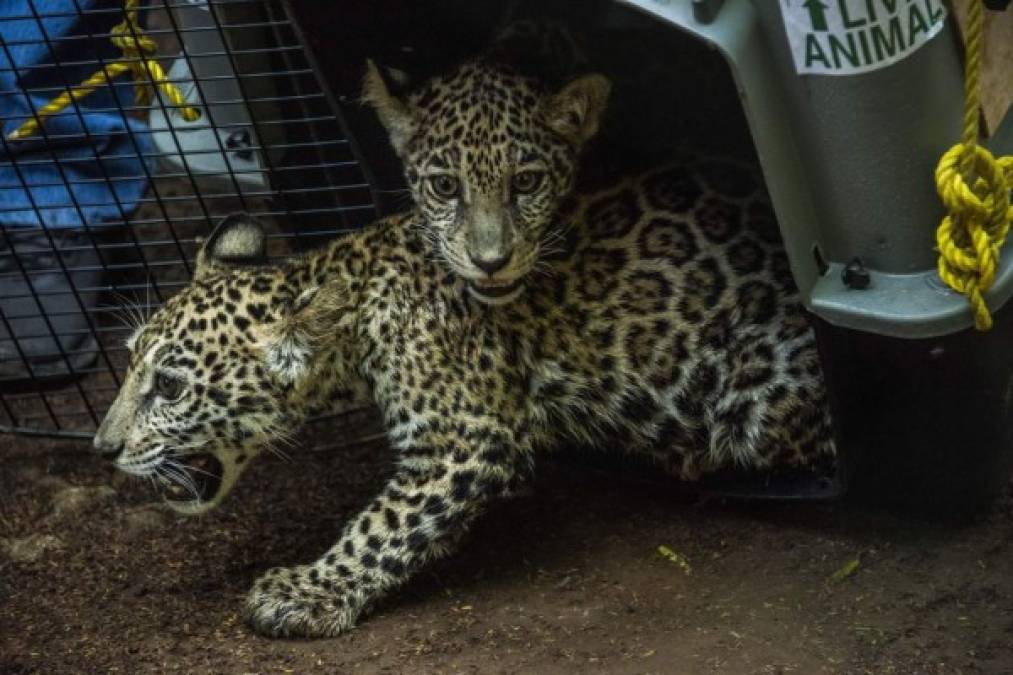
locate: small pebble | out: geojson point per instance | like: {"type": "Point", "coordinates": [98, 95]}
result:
{"type": "Point", "coordinates": [76, 499]}
{"type": "Point", "coordinates": [31, 548]}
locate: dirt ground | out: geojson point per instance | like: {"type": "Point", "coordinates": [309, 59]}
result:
{"type": "Point", "coordinates": [96, 578]}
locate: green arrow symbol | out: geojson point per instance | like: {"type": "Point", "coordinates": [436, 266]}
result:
{"type": "Point", "coordinates": [817, 14]}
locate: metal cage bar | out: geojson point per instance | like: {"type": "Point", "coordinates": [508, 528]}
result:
{"type": "Point", "coordinates": [270, 141]}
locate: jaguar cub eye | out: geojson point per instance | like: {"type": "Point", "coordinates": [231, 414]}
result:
{"type": "Point", "coordinates": [526, 182]}
{"type": "Point", "coordinates": [445, 185]}
{"type": "Point", "coordinates": [168, 387]}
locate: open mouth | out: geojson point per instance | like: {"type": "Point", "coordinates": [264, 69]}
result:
{"type": "Point", "coordinates": [491, 289]}
{"type": "Point", "coordinates": [191, 478]}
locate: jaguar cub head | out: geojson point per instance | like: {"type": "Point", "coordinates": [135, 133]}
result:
{"type": "Point", "coordinates": [211, 375]}
{"type": "Point", "coordinates": [488, 157]}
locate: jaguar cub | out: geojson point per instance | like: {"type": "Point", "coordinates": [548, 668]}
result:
{"type": "Point", "coordinates": [488, 156]}
{"type": "Point", "coordinates": [660, 320]}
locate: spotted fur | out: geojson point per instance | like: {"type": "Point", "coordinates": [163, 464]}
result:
{"type": "Point", "coordinates": [489, 155]}
{"type": "Point", "coordinates": [664, 323]}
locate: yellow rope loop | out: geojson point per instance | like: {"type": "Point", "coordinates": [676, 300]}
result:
{"type": "Point", "coordinates": [975, 188]}
{"type": "Point", "coordinates": [977, 224]}
{"type": "Point", "coordinates": [138, 50]}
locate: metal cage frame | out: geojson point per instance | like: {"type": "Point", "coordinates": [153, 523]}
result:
{"type": "Point", "coordinates": [314, 186]}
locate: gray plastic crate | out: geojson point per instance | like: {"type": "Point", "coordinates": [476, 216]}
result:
{"type": "Point", "coordinates": [920, 400]}
{"type": "Point", "coordinates": [849, 161]}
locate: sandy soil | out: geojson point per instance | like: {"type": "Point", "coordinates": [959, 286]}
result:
{"type": "Point", "coordinates": [94, 577]}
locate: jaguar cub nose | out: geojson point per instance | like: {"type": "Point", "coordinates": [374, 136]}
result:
{"type": "Point", "coordinates": [106, 448]}
{"type": "Point", "coordinates": [490, 265]}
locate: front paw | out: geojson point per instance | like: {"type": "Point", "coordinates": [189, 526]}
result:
{"type": "Point", "coordinates": [297, 602]}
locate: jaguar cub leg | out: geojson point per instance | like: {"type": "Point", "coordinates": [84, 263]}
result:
{"type": "Point", "coordinates": [418, 516]}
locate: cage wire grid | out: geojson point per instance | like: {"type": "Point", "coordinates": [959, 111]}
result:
{"type": "Point", "coordinates": [269, 141]}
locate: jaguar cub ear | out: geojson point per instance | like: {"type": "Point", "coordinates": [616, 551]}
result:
{"type": "Point", "coordinates": [288, 347]}
{"type": "Point", "coordinates": [393, 112]}
{"type": "Point", "coordinates": [239, 239]}
{"type": "Point", "coordinates": [575, 112]}
{"type": "Point", "coordinates": [312, 318]}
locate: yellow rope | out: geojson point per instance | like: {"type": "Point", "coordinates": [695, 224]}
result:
{"type": "Point", "coordinates": [138, 50]}
{"type": "Point", "coordinates": [975, 188]}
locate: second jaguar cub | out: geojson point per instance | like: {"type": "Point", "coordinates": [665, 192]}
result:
{"type": "Point", "coordinates": [488, 157]}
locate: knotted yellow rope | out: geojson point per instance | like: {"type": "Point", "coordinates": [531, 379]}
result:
{"type": "Point", "coordinates": [138, 50]}
{"type": "Point", "coordinates": [975, 188]}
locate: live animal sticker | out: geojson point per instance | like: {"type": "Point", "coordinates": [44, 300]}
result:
{"type": "Point", "coordinates": [846, 37]}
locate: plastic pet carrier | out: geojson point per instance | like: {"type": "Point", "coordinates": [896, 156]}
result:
{"type": "Point", "coordinates": [850, 107]}
{"type": "Point", "coordinates": [847, 107]}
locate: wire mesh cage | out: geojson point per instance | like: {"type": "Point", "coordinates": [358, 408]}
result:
{"type": "Point", "coordinates": [215, 107]}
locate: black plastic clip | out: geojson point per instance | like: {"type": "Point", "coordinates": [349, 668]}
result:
{"type": "Point", "coordinates": [855, 275]}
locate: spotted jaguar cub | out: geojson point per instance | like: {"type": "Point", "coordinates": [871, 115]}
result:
{"type": "Point", "coordinates": [664, 323]}
{"type": "Point", "coordinates": [488, 156]}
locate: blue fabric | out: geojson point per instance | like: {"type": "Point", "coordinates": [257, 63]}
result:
{"type": "Point", "coordinates": [28, 172]}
